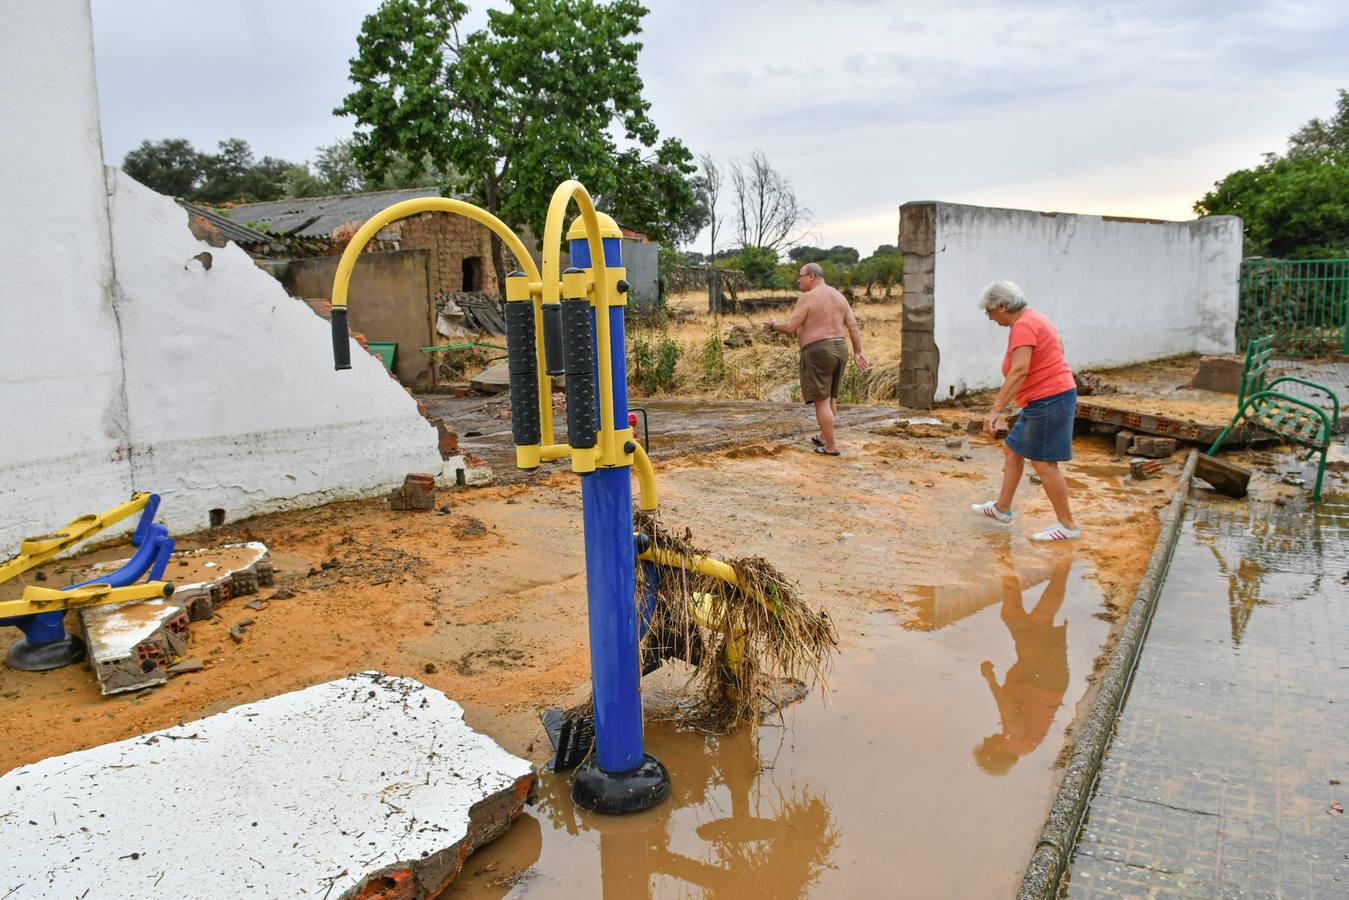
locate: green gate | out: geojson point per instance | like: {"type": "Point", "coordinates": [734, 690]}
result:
{"type": "Point", "coordinates": [1302, 303]}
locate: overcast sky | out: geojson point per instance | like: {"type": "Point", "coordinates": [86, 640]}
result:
{"type": "Point", "coordinates": [1131, 108]}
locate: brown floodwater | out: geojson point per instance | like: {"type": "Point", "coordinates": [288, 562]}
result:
{"type": "Point", "coordinates": [925, 773]}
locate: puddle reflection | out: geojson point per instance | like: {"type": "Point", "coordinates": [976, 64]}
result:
{"type": "Point", "coordinates": [720, 832]}
{"type": "Point", "coordinates": [1032, 689]}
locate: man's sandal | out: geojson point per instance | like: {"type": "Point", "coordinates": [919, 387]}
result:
{"type": "Point", "coordinates": [823, 452]}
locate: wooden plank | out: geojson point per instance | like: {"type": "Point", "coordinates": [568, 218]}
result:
{"type": "Point", "coordinates": [1225, 477]}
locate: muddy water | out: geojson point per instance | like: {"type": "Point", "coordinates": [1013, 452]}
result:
{"type": "Point", "coordinates": [926, 773]}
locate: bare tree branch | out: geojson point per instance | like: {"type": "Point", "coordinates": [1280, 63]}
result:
{"type": "Point", "coordinates": [767, 212]}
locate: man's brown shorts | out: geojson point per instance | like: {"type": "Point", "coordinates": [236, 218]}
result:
{"type": "Point", "coordinates": [822, 366]}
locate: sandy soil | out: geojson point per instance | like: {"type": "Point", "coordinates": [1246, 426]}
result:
{"type": "Point", "coordinates": [949, 705]}
{"type": "Point", "coordinates": [485, 598]}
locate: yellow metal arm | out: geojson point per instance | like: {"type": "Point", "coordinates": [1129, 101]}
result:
{"type": "Point", "coordinates": [704, 565]}
{"type": "Point", "coordinates": [567, 191]}
{"type": "Point", "coordinates": [372, 227]}
{"type": "Point", "coordinates": [40, 600]}
{"type": "Point", "coordinates": [646, 479]}
{"type": "Point", "coordinates": [407, 208]}
{"type": "Point", "coordinates": [35, 551]}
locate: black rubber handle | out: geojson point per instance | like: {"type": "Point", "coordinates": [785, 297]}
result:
{"type": "Point", "coordinates": [579, 361]}
{"type": "Point", "coordinates": [341, 340]}
{"type": "Point", "coordinates": [552, 338]}
{"type": "Point", "coordinates": [524, 373]}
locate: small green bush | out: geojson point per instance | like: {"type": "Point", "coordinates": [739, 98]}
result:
{"type": "Point", "coordinates": [652, 361]}
{"type": "Point", "coordinates": [714, 355]}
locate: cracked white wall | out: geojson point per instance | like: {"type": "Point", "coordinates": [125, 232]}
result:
{"type": "Point", "coordinates": [1119, 291]}
{"type": "Point", "coordinates": [129, 365]}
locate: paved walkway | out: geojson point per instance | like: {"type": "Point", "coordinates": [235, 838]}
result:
{"type": "Point", "coordinates": [1220, 781]}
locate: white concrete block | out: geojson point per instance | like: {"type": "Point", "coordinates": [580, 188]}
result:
{"type": "Point", "coordinates": [281, 798]}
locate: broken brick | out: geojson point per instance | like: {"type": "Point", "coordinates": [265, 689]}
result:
{"type": "Point", "coordinates": [417, 493]}
{"type": "Point", "coordinates": [1154, 447]}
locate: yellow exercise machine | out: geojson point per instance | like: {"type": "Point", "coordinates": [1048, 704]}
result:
{"type": "Point", "coordinates": [570, 322]}
{"type": "Point", "coordinates": [40, 612]}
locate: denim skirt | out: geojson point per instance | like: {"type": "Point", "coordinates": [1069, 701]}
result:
{"type": "Point", "coordinates": [1044, 430]}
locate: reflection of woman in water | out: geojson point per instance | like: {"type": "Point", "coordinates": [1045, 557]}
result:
{"type": "Point", "coordinates": [1033, 689]}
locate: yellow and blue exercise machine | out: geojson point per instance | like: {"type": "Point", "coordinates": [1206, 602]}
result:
{"type": "Point", "coordinates": [40, 612]}
{"type": "Point", "coordinates": [571, 323]}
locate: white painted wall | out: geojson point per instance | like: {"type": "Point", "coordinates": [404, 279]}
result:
{"type": "Point", "coordinates": [1119, 291]}
{"type": "Point", "coordinates": [234, 401]}
{"type": "Point", "coordinates": [64, 435]}
{"type": "Point", "coordinates": [128, 365]}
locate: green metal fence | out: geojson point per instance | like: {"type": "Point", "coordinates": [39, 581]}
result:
{"type": "Point", "coordinates": [1303, 303]}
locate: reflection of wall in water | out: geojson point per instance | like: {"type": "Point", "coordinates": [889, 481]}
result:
{"type": "Point", "coordinates": [945, 604]}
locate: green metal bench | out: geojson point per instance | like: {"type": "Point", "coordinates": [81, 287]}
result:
{"type": "Point", "coordinates": [1297, 421]}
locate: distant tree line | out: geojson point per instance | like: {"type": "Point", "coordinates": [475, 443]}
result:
{"type": "Point", "coordinates": [235, 175]}
{"type": "Point", "coordinates": [1294, 206]}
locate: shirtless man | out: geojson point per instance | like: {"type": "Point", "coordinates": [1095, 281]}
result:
{"type": "Point", "coordinates": [819, 321]}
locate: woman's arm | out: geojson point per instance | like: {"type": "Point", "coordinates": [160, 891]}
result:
{"type": "Point", "coordinates": [1016, 376]}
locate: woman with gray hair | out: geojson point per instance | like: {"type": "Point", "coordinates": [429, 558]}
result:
{"type": "Point", "coordinates": [1036, 373]}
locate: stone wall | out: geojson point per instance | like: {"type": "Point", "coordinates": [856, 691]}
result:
{"type": "Point", "coordinates": [450, 239]}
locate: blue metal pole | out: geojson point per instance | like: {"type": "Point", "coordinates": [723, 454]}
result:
{"type": "Point", "coordinates": [611, 584]}
{"type": "Point", "coordinates": [625, 779]}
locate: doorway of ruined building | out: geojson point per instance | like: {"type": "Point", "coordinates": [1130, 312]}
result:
{"type": "Point", "coordinates": [472, 273]}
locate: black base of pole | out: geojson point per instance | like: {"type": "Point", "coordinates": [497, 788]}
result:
{"type": "Point", "coordinates": [40, 657]}
{"type": "Point", "coordinates": [615, 793]}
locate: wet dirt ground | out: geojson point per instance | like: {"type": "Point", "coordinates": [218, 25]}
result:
{"type": "Point", "coordinates": [964, 654]}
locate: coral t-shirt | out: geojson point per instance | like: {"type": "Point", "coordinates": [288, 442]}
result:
{"type": "Point", "coordinates": [1049, 373]}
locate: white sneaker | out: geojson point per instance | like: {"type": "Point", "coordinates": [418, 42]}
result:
{"type": "Point", "coordinates": [991, 510]}
{"type": "Point", "coordinates": [1057, 532]}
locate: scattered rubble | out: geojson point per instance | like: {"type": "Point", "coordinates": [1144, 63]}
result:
{"type": "Point", "coordinates": [417, 493]}
{"type": "Point", "coordinates": [135, 645]}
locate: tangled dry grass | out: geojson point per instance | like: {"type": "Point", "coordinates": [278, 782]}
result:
{"type": "Point", "coordinates": [741, 640]}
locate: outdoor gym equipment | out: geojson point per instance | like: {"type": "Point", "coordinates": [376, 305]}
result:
{"type": "Point", "coordinates": [40, 613]}
{"type": "Point", "coordinates": [571, 323]}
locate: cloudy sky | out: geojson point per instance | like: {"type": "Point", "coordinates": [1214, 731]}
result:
{"type": "Point", "coordinates": [1128, 108]}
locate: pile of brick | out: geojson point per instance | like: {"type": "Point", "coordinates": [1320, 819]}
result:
{"type": "Point", "coordinates": [138, 645]}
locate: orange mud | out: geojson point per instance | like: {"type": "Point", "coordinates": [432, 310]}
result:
{"type": "Point", "coordinates": [965, 651]}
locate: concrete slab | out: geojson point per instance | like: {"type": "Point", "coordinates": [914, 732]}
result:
{"type": "Point", "coordinates": [370, 785]}
{"type": "Point", "coordinates": [133, 645]}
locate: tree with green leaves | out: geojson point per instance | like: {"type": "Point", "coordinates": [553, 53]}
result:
{"type": "Point", "coordinates": [838, 254]}
{"type": "Point", "coordinates": [234, 174]}
{"type": "Point", "coordinates": [536, 97]}
{"type": "Point", "coordinates": [170, 166]}
{"type": "Point", "coordinates": [175, 168]}
{"type": "Point", "coordinates": [1294, 206]}
{"type": "Point", "coordinates": [335, 170]}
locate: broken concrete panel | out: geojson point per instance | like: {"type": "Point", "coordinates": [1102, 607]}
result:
{"type": "Point", "coordinates": [1123, 441]}
{"type": "Point", "coordinates": [344, 789]}
{"type": "Point", "coordinates": [307, 434]}
{"type": "Point", "coordinates": [132, 645]}
{"type": "Point", "coordinates": [494, 379]}
{"type": "Point", "coordinates": [203, 579]}
{"type": "Point", "coordinates": [115, 271]}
